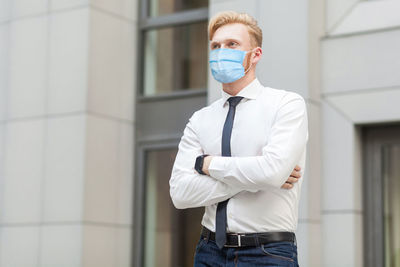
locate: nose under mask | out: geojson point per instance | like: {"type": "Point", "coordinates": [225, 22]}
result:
{"type": "Point", "coordinates": [227, 64]}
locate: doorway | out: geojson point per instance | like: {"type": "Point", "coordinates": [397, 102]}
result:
{"type": "Point", "coordinates": [382, 196]}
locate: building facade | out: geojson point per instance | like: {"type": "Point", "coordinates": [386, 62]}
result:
{"type": "Point", "coordinates": [95, 94]}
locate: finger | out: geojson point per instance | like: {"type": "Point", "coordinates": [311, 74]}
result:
{"type": "Point", "coordinates": [292, 180]}
{"type": "Point", "coordinates": [295, 174]}
{"type": "Point", "coordinates": [297, 168]}
{"type": "Point", "coordinates": [287, 186]}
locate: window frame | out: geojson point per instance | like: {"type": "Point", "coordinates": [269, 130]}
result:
{"type": "Point", "coordinates": [147, 23]}
{"type": "Point", "coordinates": [140, 194]}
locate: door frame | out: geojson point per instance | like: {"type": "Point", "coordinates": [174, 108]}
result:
{"type": "Point", "coordinates": [374, 140]}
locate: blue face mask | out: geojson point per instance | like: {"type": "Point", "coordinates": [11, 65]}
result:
{"type": "Point", "coordinates": [227, 64]}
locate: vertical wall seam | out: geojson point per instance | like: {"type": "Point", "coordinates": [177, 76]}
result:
{"type": "Point", "coordinates": [45, 134]}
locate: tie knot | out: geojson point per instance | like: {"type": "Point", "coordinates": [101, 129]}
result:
{"type": "Point", "coordinates": [234, 100]}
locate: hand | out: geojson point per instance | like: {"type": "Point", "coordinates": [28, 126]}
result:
{"type": "Point", "coordinates": [206, 164]}
{"type": "Point", "coordinates": [293, 178]}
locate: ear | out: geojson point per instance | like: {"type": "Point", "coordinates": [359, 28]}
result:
{"type": "Point", "coordinates": [257, 54]}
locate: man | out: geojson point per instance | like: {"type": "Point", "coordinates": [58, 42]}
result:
{"type": "Point", "coordinates": [242, 156]}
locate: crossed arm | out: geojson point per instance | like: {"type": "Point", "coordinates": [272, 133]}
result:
{"type": "Point", "coordinates": [293, 178]}
{"type": "Point", "coordinates": [228, 176]}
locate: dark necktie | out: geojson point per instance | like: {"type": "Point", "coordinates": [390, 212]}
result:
{"type": "Point", "coordinates": [220, 218]}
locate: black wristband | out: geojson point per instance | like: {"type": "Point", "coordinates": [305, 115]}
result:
{"type": "Point", "coordinates": [198, 166]}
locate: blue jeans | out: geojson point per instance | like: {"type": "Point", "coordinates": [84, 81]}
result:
{"type": "Point", "coordinates": [273, 254]}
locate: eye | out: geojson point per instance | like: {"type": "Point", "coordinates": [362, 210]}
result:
{"type": "Point", "coordinates": [232, 43]}
{"type": "Point", "coordinates": [214, 46]}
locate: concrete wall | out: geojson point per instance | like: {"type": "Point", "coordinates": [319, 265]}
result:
{"type": "Point", "coordinates": [360, 86]}
{"type": "Point", "coordinates": [66, 131]}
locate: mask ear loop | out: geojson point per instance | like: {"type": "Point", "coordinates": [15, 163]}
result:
{"type": "Point", "coordinates": [251, 65]}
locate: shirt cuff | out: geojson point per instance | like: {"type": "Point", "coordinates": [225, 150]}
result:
{"type": "Point", "coordinates": [217, 167]}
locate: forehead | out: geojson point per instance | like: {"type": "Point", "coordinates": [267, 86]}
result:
{"type": "Point", "coordinates": [236, 31]}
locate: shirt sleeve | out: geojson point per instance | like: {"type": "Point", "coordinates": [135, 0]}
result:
{"type": "Point", "coordinates": [188, 188]}
{"type": "Point", "coordinates": [286, 143]}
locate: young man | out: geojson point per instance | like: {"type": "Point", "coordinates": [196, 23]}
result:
{"type": "Point", "coordinates": [242, 156]}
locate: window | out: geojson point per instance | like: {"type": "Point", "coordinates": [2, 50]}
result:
{"type": "Point", "coordinates": [170, 235]}
{"type": "Point", "coordinates": [163, 7]}
{"type": "Point", "coordinates": [175, 59]}
{"type": "Point", "coordinates": [174, 46]}
{"type": "Point", "coordinates": [172, 78]}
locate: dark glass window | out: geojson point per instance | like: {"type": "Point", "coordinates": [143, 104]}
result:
{"type": "Point", "coordinates": [174, 47]}
{"type": "Point", "coordinates": [175, 58]}
{"type": "Point", "coordinates": [163, 7]}
{"type": "Point", "coordinates": [170, 234]}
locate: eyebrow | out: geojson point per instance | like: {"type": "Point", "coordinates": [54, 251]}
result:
{"type": "Point", "coordinates": [226, 41]}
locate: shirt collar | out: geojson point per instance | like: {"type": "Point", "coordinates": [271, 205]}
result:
{"type": "Point", "coordinates": [251, 91]}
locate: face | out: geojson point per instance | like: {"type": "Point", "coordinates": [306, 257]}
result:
{"type": "Point", "coordinates": [235, 36]}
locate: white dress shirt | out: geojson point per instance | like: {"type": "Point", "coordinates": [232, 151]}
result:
{"type": "Point", "coordinates": [269, 136]}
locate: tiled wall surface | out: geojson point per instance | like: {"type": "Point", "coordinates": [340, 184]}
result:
{"type": "Point", "coordinates": [66, 132]}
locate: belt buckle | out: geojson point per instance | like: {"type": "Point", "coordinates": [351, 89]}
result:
{"type": "Point", "coordinates": [239, 241]}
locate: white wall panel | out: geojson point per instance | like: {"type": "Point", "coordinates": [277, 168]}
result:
{"type": "Point", "coordinates": [65, 4]}
{"type": "Point", "coordinates": [342, 240]}
{"type": "Point", "coordinates": [285, 59]}
{"type": "Point", "coordinates": [336, 10]}
{"type": "Point", "coordinates": [111, 66]}
{"type": "Point", "coordinates": [22, 8]}
{"type": "Point", "coordinates": [23, 172]}
{"type": "Point", "coordinates": [64, 169]}
{"type": "Point", "coordinates": [61, 246]}
{"type": "Point", "coordinates": [4, 64]}
{"type": "Point", "coordinates": [371, 106]}
{"type": "Point", "coordinates": [338, 142]}
{"type": "Point", "coordinates": [28, 67]}
{"type": "Point", "coordinates": [125, 8]}
{"type": "Point", "coordinates": [361, 62]}
{"type": "Point", "coordinates": [19, 246]}
{"type": "Point", "coordinates": [68, 62]}
{"type": "Point", "coordinates": [5, 10]}
{"type": "Point", "coordinates": [370, 15]}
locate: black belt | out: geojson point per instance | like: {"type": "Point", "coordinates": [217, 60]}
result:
{"type": "Point", "coordinates": [251, 239]}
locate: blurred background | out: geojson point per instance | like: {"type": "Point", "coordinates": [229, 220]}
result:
{"type": "Point", "coordinates": [95, 94]}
